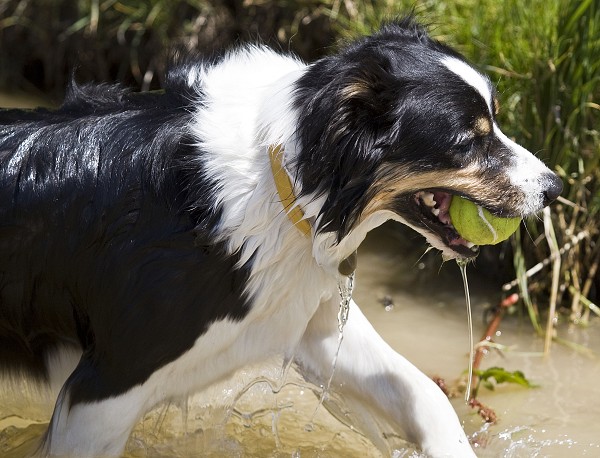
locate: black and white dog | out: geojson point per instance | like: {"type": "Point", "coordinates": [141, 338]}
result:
{"type": "Point", "coordinates": [173, 238]}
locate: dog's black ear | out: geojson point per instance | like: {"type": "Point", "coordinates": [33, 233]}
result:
{"type": "Point", "coordinates": [346, 108]}
{"type": "Point", "coordinates": [370, 88]}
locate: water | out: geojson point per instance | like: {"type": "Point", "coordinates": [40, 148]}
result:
{"type": "Point", "coordinates": [462, 265]}
{"type": "Point", "coordinates": [427, 325]}
{"type": "Point", "coordinates": [346, 286]}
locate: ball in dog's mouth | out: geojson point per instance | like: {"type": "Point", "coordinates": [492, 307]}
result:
{"type": "Point", "coordinates": [434, 208]}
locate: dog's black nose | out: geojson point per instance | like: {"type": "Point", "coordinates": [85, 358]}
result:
{"type": "Point", "coordinates": [554, 187]}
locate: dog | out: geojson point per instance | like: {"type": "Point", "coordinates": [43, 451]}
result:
{"type": "Point", "coordinates": [171, 238]}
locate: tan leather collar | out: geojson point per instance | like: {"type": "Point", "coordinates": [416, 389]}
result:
{"type": "Point", "coordinates": [286, 191]}
{"type": "Point", "coordinates": [294, 212]}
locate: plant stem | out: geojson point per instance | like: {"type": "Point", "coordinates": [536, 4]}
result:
{"type": "Point", "coordinates": [488, 334]}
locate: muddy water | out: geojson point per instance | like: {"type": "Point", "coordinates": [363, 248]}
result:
{"type": "Point", "coordinates": [559, 418]}
{"type": "Point", "coordinates": [427, 323]}
{"type": "Point", "coordinates": [425, 320]}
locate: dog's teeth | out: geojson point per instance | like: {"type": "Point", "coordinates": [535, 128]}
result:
{"type": "Point", "coordinates": [472, 246]}
{"type": "Point", "coordinates": [427, 199]}
{"type": "Point", "coordinates": [435, 211]}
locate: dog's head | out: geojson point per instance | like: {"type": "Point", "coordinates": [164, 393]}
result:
{"type": "Point", "coordinates": [397, 123]}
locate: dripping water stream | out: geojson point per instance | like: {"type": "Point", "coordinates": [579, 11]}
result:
{"type": "Point", "coordinates": [345, 287]}
{"type": "Point", "coordinates": [462, 265]}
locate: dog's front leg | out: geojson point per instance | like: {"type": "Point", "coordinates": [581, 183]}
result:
{"type": "Point", "coordinates": [370, 372]}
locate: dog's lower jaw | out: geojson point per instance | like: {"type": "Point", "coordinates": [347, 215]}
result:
{"type": "Point", "coordinates": [329, 253]}
{"type": "Point", "coordinates": [389, 386]}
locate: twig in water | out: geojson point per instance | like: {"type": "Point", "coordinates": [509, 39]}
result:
{"type": "Point", "coordinates": [485, 412]}
{"type": "Point", "coordinates": [490, 332]}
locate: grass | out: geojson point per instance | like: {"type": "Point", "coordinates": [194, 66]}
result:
{"type": "Point", "coordinates": [553, 82]}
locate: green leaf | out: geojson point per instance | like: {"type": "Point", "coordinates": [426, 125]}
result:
{"type": "Point", "coordinates": [501, 375]}
{"type": "Point", "coordinates": [489, 385]}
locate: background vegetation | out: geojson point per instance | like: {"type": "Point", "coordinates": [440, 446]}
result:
{"type": "Point", "coordinates": [543, 54]}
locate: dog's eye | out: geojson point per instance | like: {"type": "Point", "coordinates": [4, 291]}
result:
{"type": "Point", "coordinates": [464, 146]}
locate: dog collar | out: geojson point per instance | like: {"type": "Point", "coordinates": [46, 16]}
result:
{"type": "Point", "coordinates": [286, 191]}
{"type": "Point", "coordinates": [294, 212]}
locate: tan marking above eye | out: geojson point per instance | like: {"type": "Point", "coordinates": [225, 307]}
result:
{"type": "Point", "coordinates": [496, 106]}
{"type": "Point", "coordinates": [482, 126]}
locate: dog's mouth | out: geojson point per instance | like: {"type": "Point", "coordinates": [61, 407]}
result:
{"type": "Point", "coordinates": [432, 209]}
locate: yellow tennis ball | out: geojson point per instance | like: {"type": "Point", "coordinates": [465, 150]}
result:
{"type": "Point", "coordinates": [479, 226]}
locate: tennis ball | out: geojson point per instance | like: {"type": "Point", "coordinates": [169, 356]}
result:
{"type": "Point", "coordinates": [479, 226]}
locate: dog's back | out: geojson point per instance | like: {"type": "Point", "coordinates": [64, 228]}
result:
{"type": "Point", "coordinates": [94, 216]}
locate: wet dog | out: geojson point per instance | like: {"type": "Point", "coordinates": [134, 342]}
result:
{"type": "Point", "coordinates": [174, 237]}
